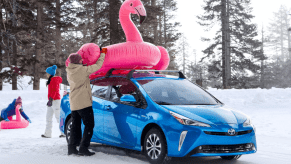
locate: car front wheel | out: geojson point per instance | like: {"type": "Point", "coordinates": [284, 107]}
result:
{"type": "Point", "coordinates": [68, 129]}
{"type": "Point", "coordinates": [155, 147]}
{"type": "Point", "coordinates": [233, 157]}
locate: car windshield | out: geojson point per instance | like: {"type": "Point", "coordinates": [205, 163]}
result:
{"type": "Point", "coordinates": [176, 92]}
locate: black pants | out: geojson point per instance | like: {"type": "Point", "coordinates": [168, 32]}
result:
{"type": "Point", "coordinates": [1, 119]}
{"type": "Point", "coordinates": [87, 116]}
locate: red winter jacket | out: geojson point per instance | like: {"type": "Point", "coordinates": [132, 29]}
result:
{"type": "Point", "coordinates": [54, 87]}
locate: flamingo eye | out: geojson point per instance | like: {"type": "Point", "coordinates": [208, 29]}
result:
{"type": "Point", "coordinates": [131, 4]}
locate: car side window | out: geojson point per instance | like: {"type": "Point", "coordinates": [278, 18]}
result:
{"type": "Point", "coordinates": [113, 96]}
{"type": "Point", "coordinates": [122, 87]}
{"type": "Point", "coordinates": [99, 91]}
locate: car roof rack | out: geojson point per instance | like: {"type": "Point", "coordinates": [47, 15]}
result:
{"type": "Point", "coordinates": [131, 71]}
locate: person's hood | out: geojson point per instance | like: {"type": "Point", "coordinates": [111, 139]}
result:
{"type": "Point", "coordinates": [74, 72]}
{"type": "Point", "coordinates": [210, 114]}
{"type": "Point", "coordinates": [73, 68]}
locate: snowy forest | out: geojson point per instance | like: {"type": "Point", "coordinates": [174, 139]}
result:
{"type": "Point", "coordinates": [36, 34]}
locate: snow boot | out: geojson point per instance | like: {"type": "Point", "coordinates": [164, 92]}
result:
{"type": "Point", "coordinates": [44, 136]}
{"type": "Point", "coordinates": [83, 151]}
{"type": "Point", "coordinates": [62, 136]}
{"type": "Point", "coordinates": [72, 150]}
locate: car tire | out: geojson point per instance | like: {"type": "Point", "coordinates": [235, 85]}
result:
{"type": "Point", "coordinates": [68, 129]}
{"type": "Point", "coordinates": [155, 147]}
{"type": "Point", "coordinates": [232, 157]}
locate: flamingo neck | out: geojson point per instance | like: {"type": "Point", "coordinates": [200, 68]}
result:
{"type": "Point", "coordinates": [131, 32]}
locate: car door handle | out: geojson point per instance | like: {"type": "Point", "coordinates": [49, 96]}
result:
{"type": "Point", "coordinates": [107, 107]}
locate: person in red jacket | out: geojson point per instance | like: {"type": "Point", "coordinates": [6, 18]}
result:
{"type": "Point", "coordinates": [54, 103]}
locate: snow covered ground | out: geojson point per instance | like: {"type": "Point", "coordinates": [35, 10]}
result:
{"type": "Point", "coordinates": [270, 111]}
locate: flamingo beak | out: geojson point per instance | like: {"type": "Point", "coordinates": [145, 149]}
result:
{"type": "Point", "coordinates": [141, 12]}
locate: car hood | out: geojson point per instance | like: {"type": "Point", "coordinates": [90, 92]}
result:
{"type": "Point", "coordinates": [211, 114]}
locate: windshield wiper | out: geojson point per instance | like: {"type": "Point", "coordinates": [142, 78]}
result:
{"type": "Point", "coordinates": [163, 103]}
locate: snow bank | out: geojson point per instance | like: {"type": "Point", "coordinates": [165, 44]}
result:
{"type": "Point", "coordinates": [25, 83]}
{"type": "Point", "coordinates": [270, 110]}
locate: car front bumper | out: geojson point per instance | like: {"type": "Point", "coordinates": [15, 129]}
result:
{"type": "Point", "coordinates": [197, 143]}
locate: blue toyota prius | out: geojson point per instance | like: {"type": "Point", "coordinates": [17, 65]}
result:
{"type": "Point", "coordinates": [163, 116]}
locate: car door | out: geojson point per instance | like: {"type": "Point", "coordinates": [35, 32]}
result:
{"type": "Point", "coordinates": [120, 118]}
{"type": "Point", "coordinates": [99, 94]}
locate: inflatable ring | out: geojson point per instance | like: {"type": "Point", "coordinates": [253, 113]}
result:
{"type": "Point", "coordinates": [14, 124]}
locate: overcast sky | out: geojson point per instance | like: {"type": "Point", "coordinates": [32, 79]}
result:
{"type": "Point", "coordinates": [188, 10]}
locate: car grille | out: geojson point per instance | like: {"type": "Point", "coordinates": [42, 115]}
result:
{"type": "Point", "coordinates": [226, 134]}
{"type": "Point", "coordinates": [223, 148]}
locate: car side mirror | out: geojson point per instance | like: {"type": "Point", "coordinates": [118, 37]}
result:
{"type": "Point", "coordinates": [127, 98]}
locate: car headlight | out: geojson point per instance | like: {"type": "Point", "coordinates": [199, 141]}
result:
{"type": "Point", "coordinates": [248, 122]}
{"type": "Point", "coordinates": [187, 121]}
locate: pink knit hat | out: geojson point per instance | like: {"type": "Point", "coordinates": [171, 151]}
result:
{"type": "Point", "coordinates": [18, 100]}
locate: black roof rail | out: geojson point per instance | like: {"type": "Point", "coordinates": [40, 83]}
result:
{"type": "Point", "coordinates": [129, 75]}
{"type": "Point", "coordinates": [109, 72]}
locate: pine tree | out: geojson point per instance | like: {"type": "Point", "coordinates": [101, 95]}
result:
{"type": "Point", "coordinates": [184, 52]}
{"type": "Point", "coordinates": [16, 20]}
{"type": "Point", "coordinates": [278, 31]}
{"type": "Point", "coordinates": [278, 68]}
{"type": "Point", "coordinates": [234, 40]}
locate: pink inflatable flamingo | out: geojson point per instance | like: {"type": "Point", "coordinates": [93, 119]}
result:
{"type": "Point", "coordinates": [134, 53]}
{"type": "Point", "coordinates": [14, 124]}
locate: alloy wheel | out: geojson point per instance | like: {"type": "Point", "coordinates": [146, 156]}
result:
{"type": "Point", "coordinates": [153, 146]}
{"type": "Point", "coordinates": [69, 130]}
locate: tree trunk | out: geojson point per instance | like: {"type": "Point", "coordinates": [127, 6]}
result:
{"type": "Point", "coordinates": [1, 30]}
{"type": "Point", "coordinates": [114, 35]}
{"type": "Point", "coordinates": [153, 3]}
{"type": "Point", "coordinates": [14, 64]}
{"type": "Point", "coordinates": [289, 42]}
{"type": "Point", "coordinates": [7, 51]}
{"type": "Point", "coordinates": [282, 38]}
{"type": "Point", "coordinates": [160, 31]}
{"type": "Point", "coordinates": [262, 80]}
{"type": "Point", "coordinates": [165, 25]}
{"type": "Point", "coordinates": [37, 68]}
{"type": "Point", "coordinates": [58, 38]}
{"type": "Point", "coordinates": [224, 38]}
{"type": "Point", "coordinates": [88, 26]}
{"type": "Point", "coordinates": [14, 49]}
{"type": "Point", "coordinates": [96, 17]}
{"type": "Point", "coordinates": [184, 56]}
{"type": "Point", "coordinates": [227, 57]}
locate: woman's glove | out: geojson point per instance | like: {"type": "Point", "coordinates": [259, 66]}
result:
{"type": "Point", "coordinates": [50, 102]}
{"type": "Point", "coordinates": [7, 120]}
{"type": "Point", "coordinates": [29, 120]}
